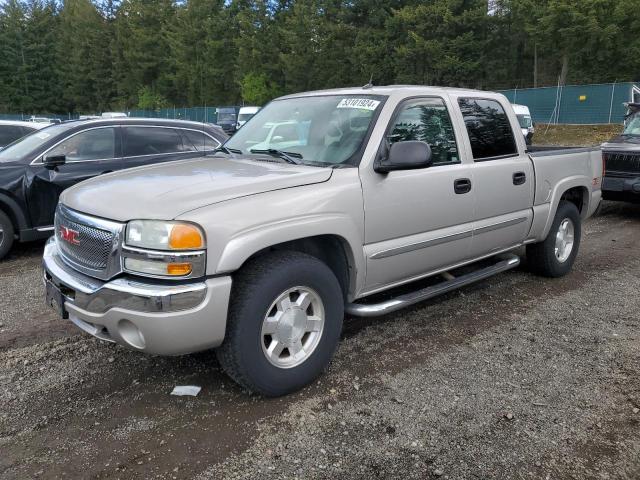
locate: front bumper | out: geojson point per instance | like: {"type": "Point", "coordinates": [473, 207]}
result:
{"type": "Point", "coordinates": [154, 317]}
{"type": "Point", "coordinates": [621, 188]}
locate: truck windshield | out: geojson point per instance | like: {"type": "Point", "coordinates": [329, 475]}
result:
{"type": "Point", "coordinates": [524, 120]}
{"type": "Point", "coordinates": [31, 142]}
{"type": "Point", "coordinates": [328, 129]}
{"type": "Point", "coordinates": [632, 126]}
{"type": "Point", "coordinates": [226, 117]}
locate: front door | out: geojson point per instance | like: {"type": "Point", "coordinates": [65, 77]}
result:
{"type": "Point", "coordinates": [418, 221]}
{"type": "Point", "coordinates": [503, 178]}
{"type": "Point", "coordinates": [88, 153]}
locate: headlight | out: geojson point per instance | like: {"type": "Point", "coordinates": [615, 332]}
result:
{"type": "Point", "coordinates": [164, 249]}
{"type": "Point", "coordinates": [164, 235]}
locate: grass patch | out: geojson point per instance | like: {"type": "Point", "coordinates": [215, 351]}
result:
{"type": "Point", "coordinates": [574, 135]}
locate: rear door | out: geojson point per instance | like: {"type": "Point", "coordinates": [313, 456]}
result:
{"type": "Point", "coordinates": [145, 145]}
{"type": "Point", "coordinates": [88, 153]}
{"type": "Point", "coordinates": [502, 176]}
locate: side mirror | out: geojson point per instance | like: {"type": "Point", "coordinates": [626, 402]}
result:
{"type": "Point", "coordinates": [53, 161]}
{"type": "Point", "coordinates": [407, 155]}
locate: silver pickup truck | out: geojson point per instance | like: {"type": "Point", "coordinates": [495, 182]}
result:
{"type": "Point", "coordinates": [360, 200]}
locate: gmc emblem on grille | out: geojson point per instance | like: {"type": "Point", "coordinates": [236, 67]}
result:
{"type": "Point", "coordinates": [70, 236]}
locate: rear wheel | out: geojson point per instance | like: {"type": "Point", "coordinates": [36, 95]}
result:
{"type": "Point", "coordinates": [6, 234]}
{"type": "Point", "coordinates": [554, 256]}
{"type": "Point", "coordinates": [284, 323]}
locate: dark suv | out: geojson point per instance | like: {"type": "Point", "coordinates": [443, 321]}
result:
{"type": "Point", "coordinates": [622, 160]}
{"type": "Point", "coordinates": [37, 168]}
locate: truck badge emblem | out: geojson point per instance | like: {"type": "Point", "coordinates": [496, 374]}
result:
{"type": "Point", "coordinates": [70, 236]}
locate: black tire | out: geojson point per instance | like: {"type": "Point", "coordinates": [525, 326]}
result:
{"type": "Point", "coordinates": [541, 257]}
{"type": "Point", "coordinates": [7, 235]}
{"type": "Point", "coordinates": [255, 287]}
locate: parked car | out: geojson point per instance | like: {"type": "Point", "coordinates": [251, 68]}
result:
{"type": "Point", "coordinates": [12, 130]}
{"type": "Point", "coordinates": [48, 120]}
{"type": "Point", "coordinates": [526, 124]}
{"type": "Point", "coordinates": [259, 252]}
{"type": "Point", "coordinates": [227, 119]}
{"type": "Point", "coordinates": [244, 114]}
{"type": "Point", "coordinates": [113, 115]}
{"type": "Point", "coordinates": [35, 170]}
{"type": "Point", "coordinates": [622, 160]}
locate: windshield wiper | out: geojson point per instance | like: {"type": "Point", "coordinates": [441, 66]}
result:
{"type": "Point", "coordinates": [289, 157]}
{"type": "Point", "coordinates": [227, 150]}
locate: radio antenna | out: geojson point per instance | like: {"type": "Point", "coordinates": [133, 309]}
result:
{"type": "Point", "coordinates": [370, 84]}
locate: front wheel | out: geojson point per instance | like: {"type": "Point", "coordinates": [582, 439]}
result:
{"type": "Point", "coordinates": [284, 323]}
{"type": "Point", "coordinates": [554, 256]}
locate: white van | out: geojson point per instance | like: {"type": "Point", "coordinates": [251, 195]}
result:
{"type": "Point", "coordinates": [244, 114]}
{"type": "Point", "coordinates": [524, 119]}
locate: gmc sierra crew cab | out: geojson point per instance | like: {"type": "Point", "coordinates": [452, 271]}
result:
{"type": "Point", "coordinates": [366, 201]}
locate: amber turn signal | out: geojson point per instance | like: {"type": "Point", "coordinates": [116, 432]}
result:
{"type": "Point", "coordinates": [184, 237]}
{"type": "Point", "coordinates": [178, 269]}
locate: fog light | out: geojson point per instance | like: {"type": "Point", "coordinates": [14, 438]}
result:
{"type": "Point", "coordinates": [131, 334]}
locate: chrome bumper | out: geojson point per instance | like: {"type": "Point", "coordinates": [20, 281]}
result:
{"type": "Point", "coordinates": [155, 317]}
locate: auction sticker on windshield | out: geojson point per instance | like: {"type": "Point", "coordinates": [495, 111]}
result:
{"type": "Point", "coordinates": [359, 103]}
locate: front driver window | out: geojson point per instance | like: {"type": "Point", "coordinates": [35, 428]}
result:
{"type": "Point", "coordinates": [427, 120]}
{"type": "Point", "coordinates": [95, 144]}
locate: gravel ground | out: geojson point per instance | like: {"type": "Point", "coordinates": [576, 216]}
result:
{"type": "Point", "coordinates": [517, 377]}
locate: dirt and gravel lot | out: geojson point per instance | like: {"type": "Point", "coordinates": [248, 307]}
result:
{"type": "Point", "coordinates": [517, 377]}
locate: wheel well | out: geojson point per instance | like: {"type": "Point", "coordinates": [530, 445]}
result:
{"type": "Point", "coordinates": [576, 195]}
{"type": "Point", "coordinates": [10, 213]}
{"type": "Point", "coordinates": [330, 249]}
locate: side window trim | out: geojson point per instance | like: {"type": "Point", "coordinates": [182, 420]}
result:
{"type": "Point", "coordinates": [398, 110]}
{"type": "Point", "coordinates": [38, 159]}
{"type": "Point", "coordinates": [494, 157]}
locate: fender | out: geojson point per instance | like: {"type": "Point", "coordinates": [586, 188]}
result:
{"type": "Point", "coordinates": [11, 208]}
{"type": "Point", "coordinates": [248, 242]}
{"type": "Point", "coordinates": [556, 195]}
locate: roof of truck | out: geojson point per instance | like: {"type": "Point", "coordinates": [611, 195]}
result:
{"type": "Point", "coordinates": [389, 90]}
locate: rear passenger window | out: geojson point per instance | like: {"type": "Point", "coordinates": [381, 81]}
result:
{"type": "Point", "coordinates": [488, 127]}
{"type": "Point", "coordinates": [199, 141]}
{"type": "Point", "coordinates": [152, 141]}
{"type": "Point", "coordinates": [426, 120]}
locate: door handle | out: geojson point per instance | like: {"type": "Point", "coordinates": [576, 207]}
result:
{"type": "Point", "coordinates": [462, 185]}
{"type": "Point", "coordinates": [106, 171]}
{"type": "Point", "coordinates": [519, 178]}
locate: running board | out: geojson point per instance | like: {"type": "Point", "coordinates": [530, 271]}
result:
{"type": "Point", "coordinates": [503, 263]}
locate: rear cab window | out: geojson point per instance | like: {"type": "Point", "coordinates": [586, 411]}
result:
{"type": "Point", "coordinates": [489, 129]}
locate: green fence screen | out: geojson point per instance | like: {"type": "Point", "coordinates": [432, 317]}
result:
{"type": "Point", "coordinates": [576, 104]}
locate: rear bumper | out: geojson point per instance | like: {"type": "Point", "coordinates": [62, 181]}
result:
{"type": "Point", "coordinates": [154, 317]}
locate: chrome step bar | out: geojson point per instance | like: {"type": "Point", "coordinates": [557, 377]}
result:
{"type": "Point", "coordinates": [504, 262]}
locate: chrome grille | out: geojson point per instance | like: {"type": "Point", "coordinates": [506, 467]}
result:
{"type": "Point", "coordinates": [93, 248]}
{"type": "Point", "coordinates": [622, 163]}
{"type": "Point", "coordinates": [89, 244]}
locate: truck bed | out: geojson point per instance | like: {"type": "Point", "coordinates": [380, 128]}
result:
{"type": "Point", "coordinates": [544, 150]}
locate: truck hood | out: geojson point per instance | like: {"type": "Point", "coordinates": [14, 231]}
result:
{"type": "Point", "coordinates": [165, 191]}
{"type": "Point", "coordinates": [623, 142]}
